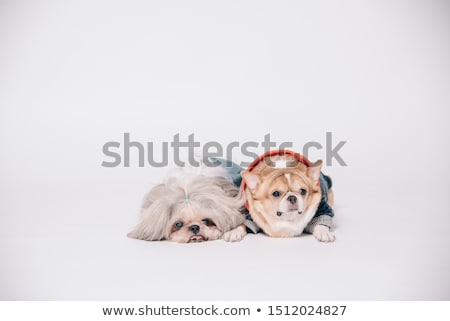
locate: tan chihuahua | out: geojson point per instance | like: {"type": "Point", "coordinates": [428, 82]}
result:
{"type": "Point", "coordinates": [287, 195]}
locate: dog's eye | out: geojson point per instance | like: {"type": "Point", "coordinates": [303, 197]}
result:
{"type": "Point", "coordinates": [208, 222]}
{"type": "Point", "coordinates": [302, 191]}
{"type": "Point", "coordinates": [276, 194]}
{"type": "Point", "coordinates": [178, 225]}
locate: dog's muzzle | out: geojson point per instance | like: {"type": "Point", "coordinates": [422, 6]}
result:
{"type": "Point", "coordinates": [197, 239]}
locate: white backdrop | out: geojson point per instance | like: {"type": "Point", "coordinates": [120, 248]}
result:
{"type": "Point", "coordinates": [76, 74]}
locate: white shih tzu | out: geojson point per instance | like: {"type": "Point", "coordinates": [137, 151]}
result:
{"type": "Point", "coordinates": [192, 205]}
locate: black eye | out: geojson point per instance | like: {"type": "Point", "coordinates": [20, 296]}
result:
{"type": "Point", "coordinates": [206, 221]}
{"type": "Point", "coordinates": [302, 191]}
{"type": "Point", "coordinates": [178, 224]}
{"type": "Point", "coordinates": [276, 194]}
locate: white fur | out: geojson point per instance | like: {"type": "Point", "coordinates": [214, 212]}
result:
{"type": "Point", "coordinates": [236, 234]}
{"type": "Point", "coordinates": [290, 228]}
{"type": "Point", "coordinates": [322, 233]}
{"type": "Point", "coordinates": [202, 187]}
{"type": "Point", "coordinates": [288, 177]}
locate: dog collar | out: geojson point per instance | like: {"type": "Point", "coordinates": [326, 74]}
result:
{"type": "Point", "coordinates": [279, 152]}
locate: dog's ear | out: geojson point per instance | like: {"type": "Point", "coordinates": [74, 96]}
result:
{"type": "Point", "coordinates": [314, 171]}
{"type": "Point", "coordinates": [155, 215]}
{"type": "Point", "coordinates": [252, 180]}
{"type": "Point", "coordinates": [153, 223]}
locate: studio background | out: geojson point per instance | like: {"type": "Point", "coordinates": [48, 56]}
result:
{"type": "Point", "coordinates": [77, 74]}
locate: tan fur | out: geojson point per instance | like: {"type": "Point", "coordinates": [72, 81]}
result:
{"type": "Point", "coordinates": [263, 206]}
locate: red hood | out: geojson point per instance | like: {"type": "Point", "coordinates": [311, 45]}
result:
{"type": "Point", "coordinates": [300, 158]}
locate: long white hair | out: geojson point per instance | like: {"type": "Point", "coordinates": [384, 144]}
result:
{"type": "Point", "coordinates": [204, 187]}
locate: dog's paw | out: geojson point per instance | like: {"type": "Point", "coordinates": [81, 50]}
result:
{"type": "Point", "coordinates": [235, 235]}
{"type": "Point", "coordinates": [322, 234]}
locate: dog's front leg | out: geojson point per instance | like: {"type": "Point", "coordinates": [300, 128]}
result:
{"type": "Point", "coordinates": [322, 233]}
{"type": "Point", "coordinates": [320, 228]}
{"type": "Point", "coordinates": [236, 234]}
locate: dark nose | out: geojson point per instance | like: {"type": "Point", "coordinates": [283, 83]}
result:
{"type": "Point", "coordinates": [292, 199]}
{"type": "Point", "coordinates": [194, 229]}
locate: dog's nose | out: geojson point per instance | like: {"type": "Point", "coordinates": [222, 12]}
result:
{"type": "Point", "coordinates": [194, 229]}
{"type": "Point", "coordinates": [292, 199]}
